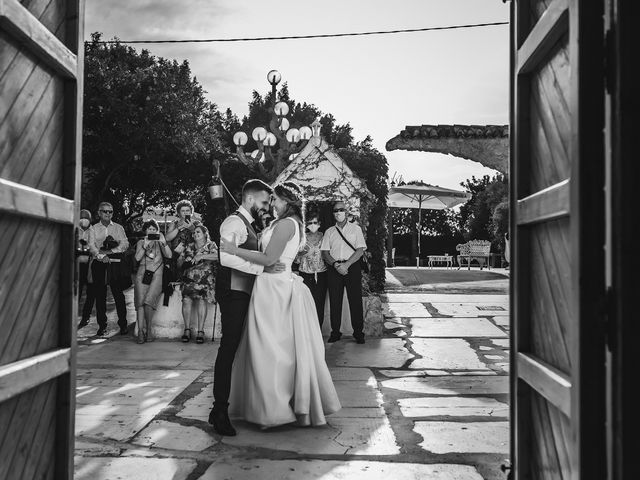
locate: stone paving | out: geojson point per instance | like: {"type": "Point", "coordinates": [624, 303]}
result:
{"type": "Point", "coordinates": [428, 400]}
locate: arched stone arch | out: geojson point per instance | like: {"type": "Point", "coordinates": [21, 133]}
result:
{"type": "Point", "coordinates": [485, 144]}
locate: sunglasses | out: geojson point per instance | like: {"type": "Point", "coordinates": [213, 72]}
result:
{"type": "Point", "coordinates": [312, 223]}
{"type": "Point", "coordinates": [339, 209]}
{"type": "Point", "coordinates": [106, 211]}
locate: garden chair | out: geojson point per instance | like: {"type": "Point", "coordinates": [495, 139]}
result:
{"type": "Point", "coordinates": [478, 250]}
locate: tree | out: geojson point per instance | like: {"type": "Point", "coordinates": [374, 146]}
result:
{"type": "Point", "coordinates": [149, 133]}
{"type": "Point", "coordinates": [476, 215]}
{"type": "Point", "coordinates": [300, 114]}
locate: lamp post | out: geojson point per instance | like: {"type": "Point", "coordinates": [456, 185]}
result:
{"type": "Point", "coordinates": [289, 141]}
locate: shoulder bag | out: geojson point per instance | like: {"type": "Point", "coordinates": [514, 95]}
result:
{"type": "Point", "coordinates": [364, 262]}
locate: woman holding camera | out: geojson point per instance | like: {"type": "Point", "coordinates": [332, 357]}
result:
{"type": "Point", "coordinates": [180, 231]}
{"type": "Point", "coordinates": [198, 262]}
{"type": "Point", "coordinates": [150, 253]}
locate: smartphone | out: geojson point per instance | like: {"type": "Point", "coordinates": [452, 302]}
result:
{"type": "Point", "coordinates": [187, 218]}
{"type": "Point", "coordinates": [153, 236]}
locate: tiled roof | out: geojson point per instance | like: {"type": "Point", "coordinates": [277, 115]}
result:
{"type": "Point", "coordinates": [455, 131]}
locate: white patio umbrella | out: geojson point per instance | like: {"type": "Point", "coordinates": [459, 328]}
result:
{"type": "Point", "coordinates": [425, 197]}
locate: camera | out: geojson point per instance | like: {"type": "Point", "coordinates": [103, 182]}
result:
{"type": "Point", "coordinates": [153, 236]}
{"type": "Point", "coordinates": [187, 218]}
{"type": "Point", "coordinates": [109, 243]}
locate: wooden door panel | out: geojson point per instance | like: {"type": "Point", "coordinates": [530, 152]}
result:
{"type": "Point", "coordinates": [40, 145]}
{"type": "Point", "coordinates": [550, 294]}
{"type": "Point", "coordinates": [51, 14]}
{"type": "Point", "coordinates": [557, 226]}
{"type": "Point", "coordinates": [27, 449]}
{"type": "Point", "coordinates": [550, 120]}
{"type": "Point", "coordinates": [550, 437]}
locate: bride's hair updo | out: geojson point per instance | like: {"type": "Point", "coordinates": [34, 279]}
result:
{"type": "Point", "coordinates": [292, 194]}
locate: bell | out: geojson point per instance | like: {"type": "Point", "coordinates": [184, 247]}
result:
{"type": "Point", "coordinates": [215, 189]}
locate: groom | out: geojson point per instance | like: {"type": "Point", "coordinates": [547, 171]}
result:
{"type": "Point", "coordinates": [234, 284]}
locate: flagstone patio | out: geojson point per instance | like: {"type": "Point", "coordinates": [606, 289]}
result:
{"type": "Point", "coordinates": [428, 400]}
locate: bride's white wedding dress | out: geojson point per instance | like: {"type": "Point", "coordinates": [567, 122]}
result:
{"type": "Point", "coordinates": [279, 372]}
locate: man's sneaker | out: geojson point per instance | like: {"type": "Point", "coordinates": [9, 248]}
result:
{"type": "Point", "coordinates": [221, 423]}
{"type": "Point", "coordinates": [334, 337]}
{"type": "Point", "coordinates": [101, 331]}
{"type": "Point", "coordinates": [83, 323]}
{"type": "Point", "coordinates": [124, 330]}
{"type": "Point", "coordinates": [359, 339]}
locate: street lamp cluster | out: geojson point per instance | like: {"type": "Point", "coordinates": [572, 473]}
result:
{"type": "Point", "coordinates": [290, 141]}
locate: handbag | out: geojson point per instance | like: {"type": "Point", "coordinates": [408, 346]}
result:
{"type": "Point", "coordinates": [364, 262]}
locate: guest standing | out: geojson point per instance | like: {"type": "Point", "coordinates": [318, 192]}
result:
{"type": "Point", "coordinates": [312, 268]}
{"type": "Point", "coordinates": [198, 262]}
{"type": "Point", "coordinates": [107, 243]}
{"type": "Point", "coordinates": [150, 254]}
{"type": "Point", "coordinates": [342, 247]}
{"type": "Point", "coordinates": [180, 231]}
{"type": "Point", "coordinates": [83, 254]}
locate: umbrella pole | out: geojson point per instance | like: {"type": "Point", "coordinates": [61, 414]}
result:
{"type": "Point", "coordinates": [419, 229]}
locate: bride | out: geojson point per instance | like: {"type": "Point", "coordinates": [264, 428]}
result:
{"type": "Point", "coordinates": [279, 373]}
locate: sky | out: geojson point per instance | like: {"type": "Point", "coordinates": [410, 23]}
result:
{"type": "Point", "coordinates": [379, 84]}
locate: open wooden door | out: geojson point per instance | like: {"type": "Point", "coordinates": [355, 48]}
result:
{"type": "Point", "coordinates": [557, 232]}
{"type": "Point", "coordinates": [41, 54]}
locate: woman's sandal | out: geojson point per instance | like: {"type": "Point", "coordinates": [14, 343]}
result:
{"type": "Point", "coordinates": [200, 338]}
{"type": "Point", "coordinates": [185, 337]}
{"type": "Point", "coordinates": [141, 337]}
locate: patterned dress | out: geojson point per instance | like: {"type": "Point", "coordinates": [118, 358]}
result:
{"type": "Point", "coordinates": [199, 279]}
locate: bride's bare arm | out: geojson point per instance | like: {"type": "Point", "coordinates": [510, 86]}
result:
{"type": "Point", "coordinates": [282, 233]}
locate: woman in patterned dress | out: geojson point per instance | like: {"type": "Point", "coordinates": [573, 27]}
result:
{"type": "Point", "coordinates": [198, 261]}
{"type": "Point", "coordinates": [312, 268]}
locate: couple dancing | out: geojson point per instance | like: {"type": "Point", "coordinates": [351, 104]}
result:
{"type": "Point", "coordinates": [270, 369]}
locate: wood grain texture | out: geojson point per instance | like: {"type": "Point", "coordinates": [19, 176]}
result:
{"type": "Point", "coordinates": [21, 200]}
{"type": "Point", "coordinates": [547, 30]}
{"type": "Point", "coordinates": [18, 377]}
{"type": "Point", "coordinates": [550, 122]}
{"type": "Point", "coordinates": [551, 294]}
{"type": "Point", "coordinates": [30, 418]}
{"type": "Point", "coordinates": [549, 449]}
{"type": "Point", "coordinates": [37, 38]}
{"type": "Point", "coordinates": [552, 384]}
{"type": "Point", "coordinates": [29, 288]}
{"type": "Point", "coordinates": [548, 204]}
{"type": "Point", "coordinates": [537, 9]}
{"type": "Point", "coordinates": [40, 138]}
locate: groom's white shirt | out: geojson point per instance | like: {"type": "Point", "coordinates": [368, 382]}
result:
{"type": "Point", "coordinates": [234, 227]}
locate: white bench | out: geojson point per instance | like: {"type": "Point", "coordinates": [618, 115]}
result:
{"type": "Point", "coordinates": [478, 250]}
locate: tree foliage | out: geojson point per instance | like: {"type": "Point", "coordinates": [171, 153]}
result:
{"type": "Point", "coordinates": [476, 216]}
{"type": "Point", "coordinates": [149, 133]}
{"type": "Point", "coordinates": [371, 165]}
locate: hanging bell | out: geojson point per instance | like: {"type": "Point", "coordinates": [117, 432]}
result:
{"type": "Point", "coordinates": [215, 188]}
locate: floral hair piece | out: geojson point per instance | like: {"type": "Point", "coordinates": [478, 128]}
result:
{"type": "Point", "coordinates": [294, 193]}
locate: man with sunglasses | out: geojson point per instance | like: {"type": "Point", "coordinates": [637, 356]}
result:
{"type": "Point", "coordinates": [107, 243]}
{"type": "Point", "coordinates": [342, 247]}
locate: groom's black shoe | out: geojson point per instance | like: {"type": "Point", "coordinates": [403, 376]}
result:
{"type": "Point", "coordinates": [221, 423]}
{"type": "Point", "coordinates": [334, 337]}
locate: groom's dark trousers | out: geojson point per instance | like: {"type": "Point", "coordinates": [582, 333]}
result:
{"type": "Point", "coordinates": [233, 311]}
{"type": "Point", "coordinates": [233, 293]}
